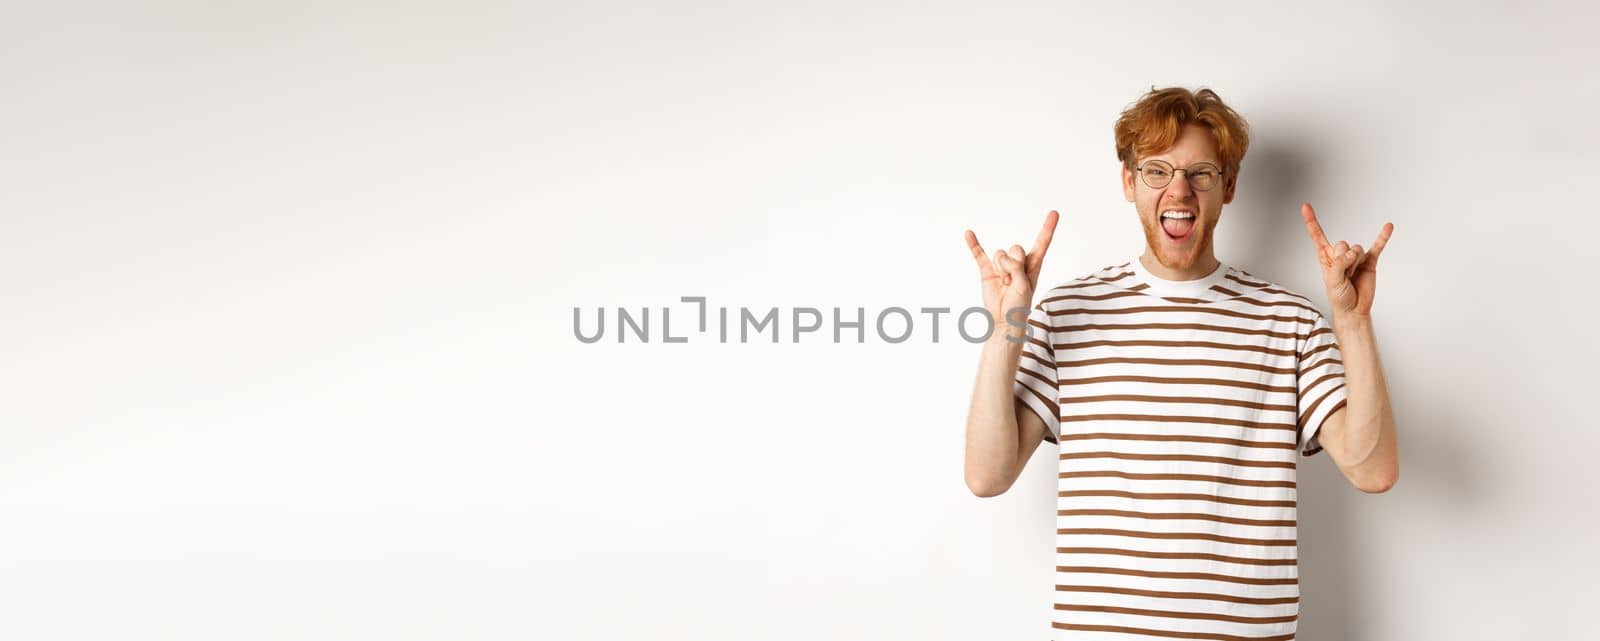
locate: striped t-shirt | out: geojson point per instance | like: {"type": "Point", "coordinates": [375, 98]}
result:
{"type": "Point", "coordinates": [1178, 408]}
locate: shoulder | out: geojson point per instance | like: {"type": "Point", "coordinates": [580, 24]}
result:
{"type": "Point", "coordinates": [1243, 284]}
{"type": "Point", "coordinates": [1311, 326]}
{"type": "Point", "coordinates": [1086, 287]}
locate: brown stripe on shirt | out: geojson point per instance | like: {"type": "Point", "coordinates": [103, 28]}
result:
{"type": "Point", "coordinates": [1165, 594]}
{"type": "Point", "coordinates": [1226, 460]}
{"type": "Point", "coordinates": [1177, 496]}
{"type": "Point", "coordinates": [1151, 476]}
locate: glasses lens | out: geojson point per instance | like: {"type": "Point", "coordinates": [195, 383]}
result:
{"type": "Point", "coordinates": [1156, 174]}
{"type": "Point", "coordinates": [1202, 176]}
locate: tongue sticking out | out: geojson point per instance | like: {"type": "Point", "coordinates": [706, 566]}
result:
{"type": "Point", "coordinates": [1178, 227]}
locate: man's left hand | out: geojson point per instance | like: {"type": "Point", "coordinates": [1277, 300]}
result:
{"type": "Point", "coordinates": [1349, 273]}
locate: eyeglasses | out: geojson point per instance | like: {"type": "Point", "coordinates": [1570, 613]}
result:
{"type": "Point", "coordinates": [1157, 173]}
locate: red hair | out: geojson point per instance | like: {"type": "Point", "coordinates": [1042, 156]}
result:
{"type": "Point", "coordinates": [1152, 125]}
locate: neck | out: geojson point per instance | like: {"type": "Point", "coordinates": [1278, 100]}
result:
{"type": "Point", "coordinates": [1201, 267]}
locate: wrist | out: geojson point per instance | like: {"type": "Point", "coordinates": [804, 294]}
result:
{"type": "Point", "coordinates": [1008, 336]}
{"type": "Point", "coordinates": [1346, 321]}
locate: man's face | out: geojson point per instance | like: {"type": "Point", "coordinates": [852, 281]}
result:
{"type": "Point", "coordinates": [1191, 245]}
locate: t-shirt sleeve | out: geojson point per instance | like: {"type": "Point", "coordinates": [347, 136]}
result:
{"type": "Point", "coordinates": [1321, 383]}
{"type": "Point", "coordinates": [1036, 384]}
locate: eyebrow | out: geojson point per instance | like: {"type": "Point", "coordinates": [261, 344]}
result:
{"type": "Point", "coordinates": [1170, 162]}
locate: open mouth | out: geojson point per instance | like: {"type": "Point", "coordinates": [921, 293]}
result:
{"type": "Point", "coordinates": [1178, 224]}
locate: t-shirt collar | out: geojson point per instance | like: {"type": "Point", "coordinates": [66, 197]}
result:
{"type": "Point", "coordinates": [1197, 288]}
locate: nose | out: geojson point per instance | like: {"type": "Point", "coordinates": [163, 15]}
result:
{"type": "Point", "coordinates": [1179, 185]}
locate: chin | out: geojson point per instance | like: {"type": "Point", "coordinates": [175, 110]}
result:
{"type": "Point", "coordinates": [1156, 240]}
{"type": "Point", "coordinates": [1180, 261]}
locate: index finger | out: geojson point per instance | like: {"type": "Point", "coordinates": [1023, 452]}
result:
{"type": "Point", "coordinates": [1042, 243]}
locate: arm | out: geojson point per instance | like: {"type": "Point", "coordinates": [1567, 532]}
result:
{"type": "Point", "coordinates": [1360, 436]}
{"type": "Point", "coordinates": [1001, 432]}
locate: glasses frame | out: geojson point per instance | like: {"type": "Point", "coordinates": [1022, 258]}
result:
{"type": "Point", "coordinates": [1146, 179]}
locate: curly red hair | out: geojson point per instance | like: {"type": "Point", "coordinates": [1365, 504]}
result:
{"type": "Point", "coordinates": [1153, 123]}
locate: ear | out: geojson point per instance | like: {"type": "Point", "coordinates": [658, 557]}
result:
{"type": "Point", "coordinates": [1127, 184]}
{"type": "Point", "coordinates": [1233, 181]}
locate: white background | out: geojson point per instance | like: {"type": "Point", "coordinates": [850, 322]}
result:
{"type": "Point", "coordinates": [287, 323]}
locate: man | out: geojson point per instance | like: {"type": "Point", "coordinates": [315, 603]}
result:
{"type": "Point", "coordinates": [1179, 390]}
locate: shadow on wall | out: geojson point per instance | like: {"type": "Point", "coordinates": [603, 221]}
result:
{"type": "Point", "coordinates": [1438, 470]}
{"type": "Point", "coordinates": [1439, 475]}
{"type": "Point", "coordinates": [1272, 183]}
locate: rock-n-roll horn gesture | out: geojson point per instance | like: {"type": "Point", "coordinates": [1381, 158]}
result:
{"type": "Point", "coordinates": [1009, 279]}
{"type": "Point", "coordinates": [1349, 272]}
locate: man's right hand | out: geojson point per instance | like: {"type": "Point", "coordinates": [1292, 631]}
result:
{"type": "Point", "coordinates": [1002, 431]}
{"type": "Point", "coordinates": [1009, 279]}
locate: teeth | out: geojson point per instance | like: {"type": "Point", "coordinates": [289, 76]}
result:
{"type": "Point", "coordinates": [1177, 214]}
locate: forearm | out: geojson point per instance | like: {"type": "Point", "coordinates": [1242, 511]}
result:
{"type": "Point", "coordinates": [1367, 435]}
{"type": "Point", "coordinates": [992, 434]}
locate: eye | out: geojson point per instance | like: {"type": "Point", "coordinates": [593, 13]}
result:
{"type": "Point", "coordinates": [1156, 171]}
